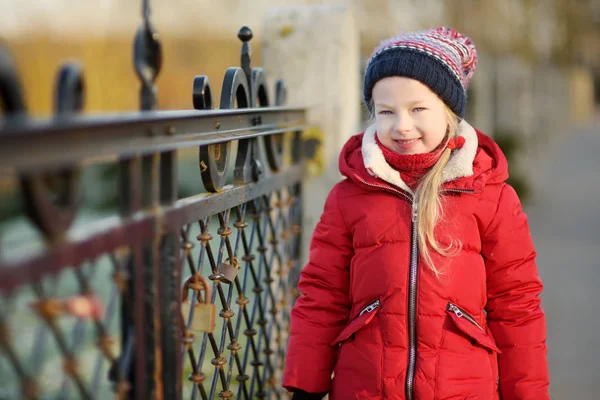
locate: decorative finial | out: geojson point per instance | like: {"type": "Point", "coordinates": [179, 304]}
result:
{"type": "Point", "coordinates": [245, 34]}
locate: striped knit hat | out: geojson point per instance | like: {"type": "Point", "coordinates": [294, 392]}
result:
{"type": "Point", "coordinates": [441, 58]}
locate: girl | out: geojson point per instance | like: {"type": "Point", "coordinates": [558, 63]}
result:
{"type": "Point", "coordinates": [422, 282]}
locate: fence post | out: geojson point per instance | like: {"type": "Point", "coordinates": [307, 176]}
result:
{"type": "Point", "coordinates": [315, 50]}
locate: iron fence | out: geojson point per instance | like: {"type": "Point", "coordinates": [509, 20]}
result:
{"type": "Point", "coordinates": [170, 297]}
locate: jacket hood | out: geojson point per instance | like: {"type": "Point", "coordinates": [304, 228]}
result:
{"type": "Point", "coordinates": [479, 162]}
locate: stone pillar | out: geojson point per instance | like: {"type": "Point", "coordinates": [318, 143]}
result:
{"type": "Point", "coordinates": [315, 50]}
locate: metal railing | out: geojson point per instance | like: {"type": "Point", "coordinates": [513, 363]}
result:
{"type": "Point", "coordinates": [170, 297]}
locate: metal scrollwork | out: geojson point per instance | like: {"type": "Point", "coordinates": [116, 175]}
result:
{"type": "Point", "coordinates": [274, 144]}
{"type": "Point", "coordinates": [247, 165]}
{"type": "Point", "coordinates": [202, 93]}
{"type": "Point", "coordinates": [11, 94]}
{"type": "Point", "coordinates": [297, 147]}
{"type": "Point", "coordinates": [259, 88]}
{"type": "Point", "coordinates": [247, 87]}
{"type": "Point", "coordinates": [235, 89]}
{"type": "Point", "coordinates": [214, 159]}
{"type": "Point", "coordinates": [147, 60]}
{"type": "Point", "coordinates": [280, 93]}
{"type": "Point", "coordinates": [147, 56]}
{"type": "Point", "coordinates": [51, 198]}
{"type": "Point", "coordinates": [69, 89]}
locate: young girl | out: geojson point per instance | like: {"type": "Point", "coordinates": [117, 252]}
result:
{"type": "Point", "coordinates": [422, 282]}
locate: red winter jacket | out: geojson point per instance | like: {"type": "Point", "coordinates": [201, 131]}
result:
{"type": "Point", "coordinates": [384, 324]}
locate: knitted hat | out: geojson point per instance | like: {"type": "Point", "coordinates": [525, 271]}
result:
{"type": "Point", "coordinates": [442, 59]}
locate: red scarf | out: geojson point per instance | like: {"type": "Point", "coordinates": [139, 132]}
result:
{"type": "Point", "coordinates": [412, 167]}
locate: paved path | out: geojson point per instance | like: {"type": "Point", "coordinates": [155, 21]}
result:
{"type": "Point", "coordinates": [565, 221]}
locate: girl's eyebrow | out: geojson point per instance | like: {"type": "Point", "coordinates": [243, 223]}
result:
{"type": "Point", "coordinates": [413, 103]}
{"type": "Point", "coordinates": [410, 104]}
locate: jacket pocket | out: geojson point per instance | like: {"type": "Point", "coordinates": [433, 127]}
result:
{"type": "Point", "coordinates": [362, 319]}
{"type": "Point", "coordinates": [470, 327]}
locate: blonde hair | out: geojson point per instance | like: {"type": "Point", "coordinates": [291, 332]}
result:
{"type": "Point", "coordinates": [429, 204]}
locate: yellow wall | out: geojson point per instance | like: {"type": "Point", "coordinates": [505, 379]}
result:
{"type": "Point", "coordinates": [110, 79]}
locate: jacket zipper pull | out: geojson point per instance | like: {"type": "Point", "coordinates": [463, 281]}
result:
{"type": "Point", "coordinates": [460, 314]}
{"type": "Point", "coordinates": [455, 310]}
{"type": "Point", "coordinates": [370, 307]}
{"type": "Point", "coordinates": [414, 210]}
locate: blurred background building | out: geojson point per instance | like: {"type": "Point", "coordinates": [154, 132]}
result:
{"type": "Point", "coordinates": [538, 72]}
{"type": "Point", "coordinates": [527, 36]}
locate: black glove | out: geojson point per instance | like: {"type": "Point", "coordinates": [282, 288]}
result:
{"type": "Point", "coordinates": [302, 395]}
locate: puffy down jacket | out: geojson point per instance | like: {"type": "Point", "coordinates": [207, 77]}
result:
{"type": "Point", "coordinates": [387, 328]}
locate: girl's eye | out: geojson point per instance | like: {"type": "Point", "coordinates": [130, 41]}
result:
{"type": "Point", "coordinates": [417, 109]}
{"type": "Point", "coordinates": [385, 112]}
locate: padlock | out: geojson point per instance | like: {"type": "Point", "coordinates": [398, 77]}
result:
{"type": "Point", "coordinates": [203, 313]}
{"type": "Point", "coordinates": [229, 271]}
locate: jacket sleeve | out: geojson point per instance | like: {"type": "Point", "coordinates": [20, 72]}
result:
{"type": "Point", "coordinates": [322, 310]}
{"type": "Point", "coordinates": [514, 314]}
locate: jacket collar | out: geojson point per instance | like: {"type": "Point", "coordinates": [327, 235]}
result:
{"type": "Point", "coordinates": [460, 163]}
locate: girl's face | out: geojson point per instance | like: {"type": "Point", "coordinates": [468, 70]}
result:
{"type": "Point", "coordinates": [409, 117]}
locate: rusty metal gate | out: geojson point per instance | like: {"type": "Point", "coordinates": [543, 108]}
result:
{"type": "Point", "coordinates": [171, 297]}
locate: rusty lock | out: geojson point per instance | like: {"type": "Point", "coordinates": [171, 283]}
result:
{"type": "Point", "coordinates": [229, 271]}
{"type": "Point", "coordinates": [203, 312]}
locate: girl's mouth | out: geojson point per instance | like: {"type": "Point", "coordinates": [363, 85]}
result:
{"type": "Point", "coordinates": [407, 144]}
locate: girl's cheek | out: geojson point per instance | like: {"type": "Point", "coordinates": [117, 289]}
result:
{"type": "Point", "coordinates": [382, 126]}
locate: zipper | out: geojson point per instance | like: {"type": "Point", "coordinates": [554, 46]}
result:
{"type": "Point", "coordinates": [402, 193]}
{"type": "Point", "coordinates": [388, 188]}
{"type": "Point", "coordinates": [460, 313]}
{"type": "Point", "coordinates": [469, 191]}
{"type": "Point", "coordinates": [370, 308]}
{"type": "Point", "coordinates": [412, 282]}
{"type": "Point", "coordinates": [412, 304]}
{"type": "Point", "coordinates": [412, 290]}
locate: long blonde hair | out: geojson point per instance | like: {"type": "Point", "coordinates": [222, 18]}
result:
{"type": "Point", "coordinates": [430, 210]}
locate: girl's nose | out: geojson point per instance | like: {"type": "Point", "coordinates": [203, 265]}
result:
{"type": "Point", "coordinates": [403, 123]}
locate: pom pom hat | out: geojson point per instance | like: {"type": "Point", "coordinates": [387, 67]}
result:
{"type": "Point", "coordinates": [442, 59]}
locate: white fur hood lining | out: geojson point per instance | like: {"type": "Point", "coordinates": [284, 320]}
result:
{"type": "Point", "coordinates": [459, 165]}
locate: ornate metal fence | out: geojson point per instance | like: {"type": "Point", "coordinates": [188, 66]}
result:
{"type": "Point", "coordinates": [172, 297]}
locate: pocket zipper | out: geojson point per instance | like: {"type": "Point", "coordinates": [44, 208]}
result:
{"type": "Point", "coordinates": [370, 307]}
{"type": "Point", "coordinates": [460, 313]}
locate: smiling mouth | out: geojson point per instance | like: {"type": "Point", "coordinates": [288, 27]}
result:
{"type": "Point", "coordinates": [407, 141]}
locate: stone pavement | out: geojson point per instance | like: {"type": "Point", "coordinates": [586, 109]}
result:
{"type": "Point", "coordinates": [565, 220]}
